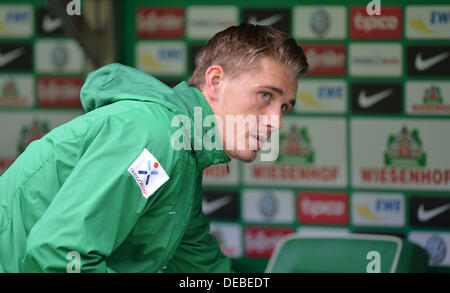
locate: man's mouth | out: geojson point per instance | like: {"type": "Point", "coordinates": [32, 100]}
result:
{"type": "Point", "coordinates": [260, 140]}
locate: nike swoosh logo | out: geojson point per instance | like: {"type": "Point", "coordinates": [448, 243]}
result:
{"type": "Point", "coordinates": [267, 21]}
{"type": "Point", "coordinates": [212, 206]}
{"type": "Point", "coordinates": [49, 25]}
{"type": "Point", "coordinates": [424, 64]}
{"type": "Point", "coordinates": [365, 101]}
{"type": "Point", "coordinates": [424, 215]}
{"type": "Point", "coordinates": [7, 58]}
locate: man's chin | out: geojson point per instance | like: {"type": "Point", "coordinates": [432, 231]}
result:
{"type": "Point", "coordinates": [244, 156]}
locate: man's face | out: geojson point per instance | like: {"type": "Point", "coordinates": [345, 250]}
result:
{"type": "Point", "coordinates": [250, 106]}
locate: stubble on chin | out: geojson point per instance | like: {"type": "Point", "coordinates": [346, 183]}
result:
{"type": "Point", "coordinates": [244, 156]}
{"type": "Point", "coordinates": [234, 150]}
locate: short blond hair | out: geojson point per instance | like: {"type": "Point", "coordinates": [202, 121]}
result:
{"type": "Point", "coordinates": [237, 49]}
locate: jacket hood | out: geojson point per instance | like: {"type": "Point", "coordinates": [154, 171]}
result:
{"type": "Point", "coordinates": [117, 82]}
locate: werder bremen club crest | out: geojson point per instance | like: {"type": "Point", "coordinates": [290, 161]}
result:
{"type": "Point", "coordinates": [295, 147]}
{"type": "Point", "coordinates": [432, 95]}
{"type": "Point", "coordinates": [405, 150]}
{"type": "Point", "coordinates": [9, 91]}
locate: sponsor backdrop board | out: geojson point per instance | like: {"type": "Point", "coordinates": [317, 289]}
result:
{"type": "Point", "coordinates": [21, 128]}
{"type": "Point", "coordinates": [305, 156]}
{"type": "Point", "coordinates": [365, 148]}
{"type": "Point", "coordinates": [407, 154]}
{"type": "Point", "coordinates": [41, 68]}
{"type": "Point", "coordinates": [364, 151]}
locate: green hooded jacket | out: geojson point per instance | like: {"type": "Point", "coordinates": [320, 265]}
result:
{"type": "Point", "coordinates": [107, 191]}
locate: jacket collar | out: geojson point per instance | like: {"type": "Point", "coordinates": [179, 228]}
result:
{"type": "Point", "coordinates": [198, 108]}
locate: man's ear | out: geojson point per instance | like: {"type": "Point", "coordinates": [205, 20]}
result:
{"type": "Point", "coordinates": [213, 78]}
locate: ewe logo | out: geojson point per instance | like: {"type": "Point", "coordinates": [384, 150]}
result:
{"type": "Point", "coordinates": [16, 21]}
{"type": "Point", "coordinates": [161, 58]}
{"type": "Point", "coordinates": [428, 22]}
{"type": "Point", "coordinates": [324, 96]}
{"type": "Point", "coordinates": [149, 172]}
{"type": "Point", "coordinates": [373, 209]}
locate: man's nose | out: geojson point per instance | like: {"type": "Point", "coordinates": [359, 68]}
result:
{"type": "Point", "coordinates": [274, 118]}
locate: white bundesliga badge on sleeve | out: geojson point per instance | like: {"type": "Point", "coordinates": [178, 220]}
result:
{"type": "Point", "coordinates": [148, 173]}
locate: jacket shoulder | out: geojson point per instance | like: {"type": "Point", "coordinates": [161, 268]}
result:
{"type": "Point", "coordinates": [157, 128]}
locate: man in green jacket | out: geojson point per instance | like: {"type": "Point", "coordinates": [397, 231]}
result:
{"type": "Point", "coordinates": [112, 191]}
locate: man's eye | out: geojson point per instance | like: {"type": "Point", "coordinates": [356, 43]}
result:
{"type": "Point", "coordinates": [265, 96]}
{"type": "Point", "coordinates": [284, 108]}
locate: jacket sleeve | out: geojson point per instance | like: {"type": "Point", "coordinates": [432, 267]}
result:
{"type": "Point", "coordinates": [198, 251]}
{"type": "Point", "coordinates": [96, 207]}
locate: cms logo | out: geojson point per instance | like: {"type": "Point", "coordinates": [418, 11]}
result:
{"type": "Point", "coordinates": [330, 92]}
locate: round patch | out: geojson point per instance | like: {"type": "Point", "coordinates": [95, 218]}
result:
{"type": "Point", "coordinates": [320, 22]}
{"type": "Point", "coordinates": [59, 56]}
{"type": "Point", "coordinates": [268, 205]}
{"type": "Point", "coordinates": [436, 249]}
